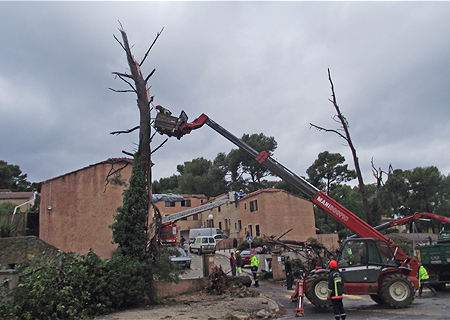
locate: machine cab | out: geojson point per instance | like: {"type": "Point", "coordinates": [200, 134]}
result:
{"type": "Point", "coordinates": [362, 260]}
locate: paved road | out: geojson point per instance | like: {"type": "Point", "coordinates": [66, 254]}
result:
{"type": "Point", "coordinates": [357, 307]}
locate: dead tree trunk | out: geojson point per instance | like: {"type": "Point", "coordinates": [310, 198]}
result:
{"type": "Point", "coordinates": [347, 138]}
{"type": "Point", "coordinates": [139, 86]}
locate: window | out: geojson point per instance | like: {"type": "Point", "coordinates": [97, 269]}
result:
{"type": "Point", "coordinates": [257, 231]}
{"type": "Point", "coordinates": [185, 203]}
{"type": "Point", "coordinates": [253, 205]}
{"type": "Point", "coordinates": [218, 209]}
{"type": "Point", "coordinates": [169, 204]}
{"type": "Point", "coordinates": [245, 206]}
{"type": "Point", "coordinates": [220, 225]}
{"type": "Point", "coordinates": [250, 231]}
{"type": "Point", "coordinates": [239, 225]}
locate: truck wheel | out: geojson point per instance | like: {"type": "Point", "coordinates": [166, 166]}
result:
{"type": "Point", "coordinates": [397, 291]}
{"type": "Point", "coordinates": [377, 298]}
{"type": "Point", "coordinates": [317, 290]}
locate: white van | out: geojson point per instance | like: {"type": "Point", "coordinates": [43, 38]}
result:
{"type": "Point", "coordinates": [203, 244]}
{"type": "Point", "coordinates": [212, 232]}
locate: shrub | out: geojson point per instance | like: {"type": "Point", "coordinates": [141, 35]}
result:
{"type": "Point", "coordinates": [6, 230]}
{"type": "Point", "coordinates": [76, 287]}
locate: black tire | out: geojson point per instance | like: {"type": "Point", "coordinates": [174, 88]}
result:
{"type": "Point", "coordinates": [397, 291]}
{"type": "Point", "coordinates": [377, 298]}
{"type": "Point", "coordinates": [316, 290]}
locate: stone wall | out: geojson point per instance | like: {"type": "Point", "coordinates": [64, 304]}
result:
{"type": "Point", "coordinates": [20, 249]}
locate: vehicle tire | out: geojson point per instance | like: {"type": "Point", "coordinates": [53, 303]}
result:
{"type": "Point", "coordinates": [317, 290]}
{"type": "Point", "coordinates": [397, 291]}
{"type": "Point", "coordinates": [377, 298]}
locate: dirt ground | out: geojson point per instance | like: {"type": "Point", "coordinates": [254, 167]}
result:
{"type": "Point", "coordinates": [202, 305]}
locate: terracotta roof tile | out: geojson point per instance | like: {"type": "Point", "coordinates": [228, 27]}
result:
{"type": "Point", "coordinates": [16, 195]}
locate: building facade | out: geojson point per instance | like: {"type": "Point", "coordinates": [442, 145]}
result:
{"type": "Point", "coordinates": [77, 208]}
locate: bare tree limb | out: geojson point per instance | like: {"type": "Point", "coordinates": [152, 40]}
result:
{"type": "Point", "coordinates": [156, 149]}
{"type": "Point", "coordinates": [126, 81]}
{"type": "Point", "coordinates": [121, 91]}
{"type": "Point", "coordinates": [151, 73]}
{"type": "Point", "coordinates": [125, 131]}
{"type": "Point", "coordinates": [328, 130]}
{"type": "Point", "coordinates": [127, 153]}
{"type": "Point", "coordinates": [148, 51]}
{"type": "Point", "coordinates": [125, 75]}
{"type": "Point", "coordinates": [113, 172]}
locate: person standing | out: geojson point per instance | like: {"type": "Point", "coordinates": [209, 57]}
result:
{"type": "Point", "coordinates": [182, 241]}
{"type": "Point", "coordinates": [254, 263]}
{"type": "Point", "coordinates": [233, 265]}
{"type": "Point", "coordinates": [423, 277]}
{"type": "Point", "coordinates": [335, 290]}
{"type": "Point", "coordinates": [289, 274]}
{"type": "Point", "coordinates": [238, 263]}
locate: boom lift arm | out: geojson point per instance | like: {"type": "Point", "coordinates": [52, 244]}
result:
{"type": "Point", "coordinates": [318, 197]}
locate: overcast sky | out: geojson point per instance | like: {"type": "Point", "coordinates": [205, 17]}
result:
{"type": "Point", "coordinates": [252, 67]}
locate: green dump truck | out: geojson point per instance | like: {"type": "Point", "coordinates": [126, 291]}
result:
{"type": "Point", "coordinates": [436, 259]}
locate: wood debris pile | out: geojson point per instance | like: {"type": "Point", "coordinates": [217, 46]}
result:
{"type": "Point", "coordinates": [314, 254]}
{"type": "Point", "coordinates": [234, 286]}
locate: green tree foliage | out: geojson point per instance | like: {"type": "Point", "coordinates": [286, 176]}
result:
{"type": "Point", "coordinates": [75, 287]}
{"type": "Point", "coordinates": [328, 170]}
{"type": "Point", "coordinates": [11, 177]}
{"type": "Point", "coordinates": [246, 172]}
{"type": "Point", "coordinates": [418, 190]}
{"type": "Point", "coordinates": [165, 185]}
{"type": "Point", "coordinates": [130, 227]}
{"type": "Point", "coordinates": [7, 208]}
{"type": "Point", "coordinates": [327, 173]}
{"type": "Point", "coordinates": [201, 176]}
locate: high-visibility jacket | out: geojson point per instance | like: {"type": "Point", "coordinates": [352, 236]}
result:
{"type": "Point", "coordinates": [254, 262]}
{"type": "Point", "coordinates": [335, 284]}
{"type": "Point", "coordinates": [423, 274]}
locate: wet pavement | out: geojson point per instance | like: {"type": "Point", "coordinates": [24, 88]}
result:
{"type": "Point", "coordinates": [357, 307]}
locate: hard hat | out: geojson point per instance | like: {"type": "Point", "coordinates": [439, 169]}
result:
{"type": "Point", "coordinates": [333, 264]}
{"type": "Point", "coordinates": [237, 251]}
{"type": "Point", "coordinates": [158, 107]}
